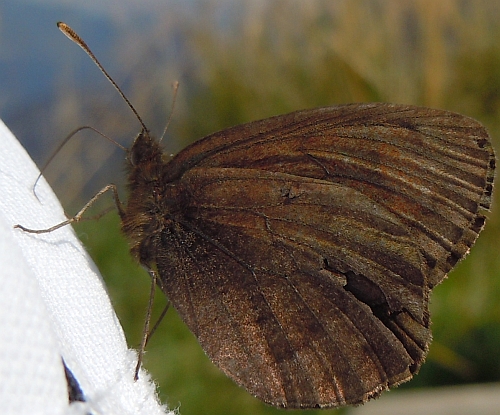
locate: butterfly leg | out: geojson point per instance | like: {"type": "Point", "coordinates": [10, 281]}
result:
{"type": "Point", "coordinates": [146, 333]}
{"type": "Point", "coordinates": [79, 216]}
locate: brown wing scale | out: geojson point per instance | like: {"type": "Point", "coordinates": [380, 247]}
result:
{"type": "Point", "coordinates": [301, 249]}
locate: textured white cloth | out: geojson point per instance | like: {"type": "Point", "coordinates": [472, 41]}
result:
{"type": "Point", "coordinates": [53, 304]}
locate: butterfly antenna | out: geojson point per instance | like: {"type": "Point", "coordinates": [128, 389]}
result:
{"type": "Point", "coordinates": [71, 34]}
{"type": "Point", "coordinates": [175, 86]}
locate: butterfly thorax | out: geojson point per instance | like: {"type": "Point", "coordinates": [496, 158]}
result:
{"type": "Point", "coordinates": [142, 219]}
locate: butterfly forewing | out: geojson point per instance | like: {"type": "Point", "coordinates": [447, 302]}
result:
{"type": "Point", "coordinates": [301, 249]}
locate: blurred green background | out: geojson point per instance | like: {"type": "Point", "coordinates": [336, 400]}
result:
{"type": "Point", "coordinates": [244, 60]}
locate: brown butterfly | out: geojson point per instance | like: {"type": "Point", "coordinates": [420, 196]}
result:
{"type": "Point", "coordinates": [301, 249]}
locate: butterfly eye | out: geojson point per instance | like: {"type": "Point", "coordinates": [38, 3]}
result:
{"type": "Point", "coordinates": [134, 157]}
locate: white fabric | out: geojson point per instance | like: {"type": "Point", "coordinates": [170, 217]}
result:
{"type": "Point", "coordinates": [53, 303]}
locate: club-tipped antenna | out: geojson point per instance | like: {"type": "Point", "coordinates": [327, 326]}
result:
{"type": "Point", "coordinates": [71, 34]}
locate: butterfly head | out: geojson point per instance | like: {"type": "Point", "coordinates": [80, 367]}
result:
{"type": "Point", "coordinates": [144, 150]}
